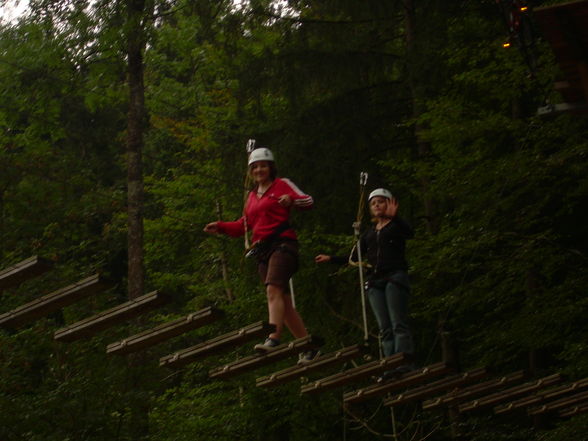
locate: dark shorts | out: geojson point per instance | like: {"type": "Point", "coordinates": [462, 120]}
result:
{"type": "Point", "coordinates": [279, 265]}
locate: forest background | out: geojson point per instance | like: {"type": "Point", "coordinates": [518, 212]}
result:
{"type": "Point", "coordinates": [419, 94]}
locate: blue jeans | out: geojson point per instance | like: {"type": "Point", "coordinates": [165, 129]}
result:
{"type": "Point", "coordinates": [389, 301]}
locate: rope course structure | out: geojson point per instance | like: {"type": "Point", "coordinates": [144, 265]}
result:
{"type": "Point", "coordinates": [565, 27]}
{"type": "Point", "coordinates": [437, 386]}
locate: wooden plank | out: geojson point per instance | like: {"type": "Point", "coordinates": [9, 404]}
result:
{"type": "Point", "coordinates": [92, 325]}
{"type": "Point", "coordinates": [514, 392]}
{"type": "Point", "coordinates": [27, 269]}
{"type": "Point", "coordinates": [564, 403]}
{"type": "Point", "coordinates": [436, 387]}
{"type": "Point", "coordinates": [470, 392]}
{"type": "Point", "coordinates": [165, 331]}
{"type": "Point", "coordinates": [56, 300]}
{"type": "Point", "coordinates": [256, 361]}
{"type": "Point", "coordinates": [414, 377]}
{"type": "Point", "coordinates": [573, 411]}
{"type": "Point", "coordinates": [354, 374]}
{"type": "Point", "coordinates": [542, 397]}
{"type": "Point", "coordinates": [216, 345]}
{"type": "Point", "coordinates": [326, 360]}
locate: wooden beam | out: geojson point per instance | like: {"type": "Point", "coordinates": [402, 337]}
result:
{"type": "Point", "coordinates": [92, 325]}
{"type": "Point", "coordinates": [437, 386]}
{"type": "Point", "coordinates": [405, 380]}
{"type": "Point", "coordinates": [564, 403]}
{"type": "Point", "coordinates": [326, 360]}
{"type": "Point", "coordinates": [573, 411]}
{"type": "Point", "coordinates": [165, 331]}
{"type": "Point", "coordinates": [216, 345]}
{"type": "Point", "coordinates": [27, 269]}
{"type": "Point", "coordinates": [542, 397]}
{"type": "Point", "coordinates": [470, 392]}
{"type": "Point", "coordinates": [354, 374]}
{"type": "Point", "coordinates": [514, 392]}
{"type": "Point", "coordinates": [256, 361]}
{"type": "Point", "coordinates": [52, 302]}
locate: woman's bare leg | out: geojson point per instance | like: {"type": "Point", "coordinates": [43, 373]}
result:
{"type": "Point", "coordinates": [292, 319]}
{"type": "Point", "coordinates": [276, 308]}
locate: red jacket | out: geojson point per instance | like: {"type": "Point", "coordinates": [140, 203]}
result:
{"type": "Point", "coordinates": [265, 214]}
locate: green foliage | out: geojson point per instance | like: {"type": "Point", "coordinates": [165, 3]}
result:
{"type": "Point", "coordinates": [333, 89]}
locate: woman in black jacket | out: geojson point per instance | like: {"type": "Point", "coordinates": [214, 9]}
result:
{"type": "Point", "coordinates": [388, 287]}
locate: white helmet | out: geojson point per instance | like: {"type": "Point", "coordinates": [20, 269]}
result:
{"type": "Point", "coordinates": [380, 192]}
{"type": "Point", "coordinates": [260, 154]}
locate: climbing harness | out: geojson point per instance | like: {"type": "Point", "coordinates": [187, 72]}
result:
{"type": "Point", "coordinates": [363, 177]}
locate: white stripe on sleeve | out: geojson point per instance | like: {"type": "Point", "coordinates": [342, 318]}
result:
{"type": "Point", "coordinates": [303, 202]}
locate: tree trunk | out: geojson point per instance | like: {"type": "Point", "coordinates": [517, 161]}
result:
{"type": "Point", "coordinates": [135, 128]}
{"type": "Point", "coordinates": [423, 147]}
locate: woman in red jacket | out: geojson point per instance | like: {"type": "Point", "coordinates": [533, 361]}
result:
{"type": "Point", "coordinates": [267, 211]}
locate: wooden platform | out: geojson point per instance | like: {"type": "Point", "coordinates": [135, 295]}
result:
{"type": "Point", "coordinates": [165, 331]}
{"type": "Point", "coordinates": [52, 302]}
{"type": "Point", "coordinates": [565, 27]}
{"type": "Point", "coordinates": [92, 325]}
{"type": "Point", "coordinates": [216, 345]}
{"type": "Point", "coordinates": [25, 270]}
{"type": "Point", "coordinates": [467, 393]}
{"type": "Point", "coordinates": [509, 394]}
{"type": "Point", "coordinates": [543, 397]}
{"type": "Point", "coordinates": [291, 349]}
{"type": "Point", "coordinates": [432, 389]}
{"type": "Point", "coordinates": [417, 376]}
{"type": "Point", "coordinates": [355, 374]}
{"type": "Point", "coordinates": [322, 362]}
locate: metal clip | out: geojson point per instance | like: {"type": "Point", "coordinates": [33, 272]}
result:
{"type": "Point", "coordinates": [250, 145]}
{"type": "Point", "coordinates": [363, 177]}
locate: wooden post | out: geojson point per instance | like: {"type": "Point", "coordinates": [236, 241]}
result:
{"type": "Point", "coordinates": [451, 357]}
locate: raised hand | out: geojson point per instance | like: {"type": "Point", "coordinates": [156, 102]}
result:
{"type": "Point", "coordinates": [211, 228]}
{"type": "Point", "coordinates": [392, 208]}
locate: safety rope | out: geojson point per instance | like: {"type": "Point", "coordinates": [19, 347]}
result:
{"type": "Point", "coordinates": [250, 146]}
{"type": "Point", "coordinates": [363, 176]}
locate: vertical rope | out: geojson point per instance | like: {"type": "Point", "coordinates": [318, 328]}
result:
{"type": "Point", "coordinates": [363, 176]}
{"type": "Point", "coordinates": [394, 432]}
{"type": "Point", "coordinates": [250, 146]}
{"type": "Point", "coordinates": [291, 284]}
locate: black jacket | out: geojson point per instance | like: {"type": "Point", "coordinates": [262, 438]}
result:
{"type": "Point", "coordinates": [384, 249]}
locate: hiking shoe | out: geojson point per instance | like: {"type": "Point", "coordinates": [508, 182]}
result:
{"type": "Point", "coordinates": [308, 356]}
{"type": "Point", "coordinates": [267, 345]}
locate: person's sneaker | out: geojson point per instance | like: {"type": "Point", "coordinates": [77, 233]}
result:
{"type": "Point", "coordinates": [395, 373]}
{"type": "Point", "coordinates": [267, 345]}
{"type": "Point", "coordinates": [405, 369]}
{"type": "Point", "coordinates": [308, 356]}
